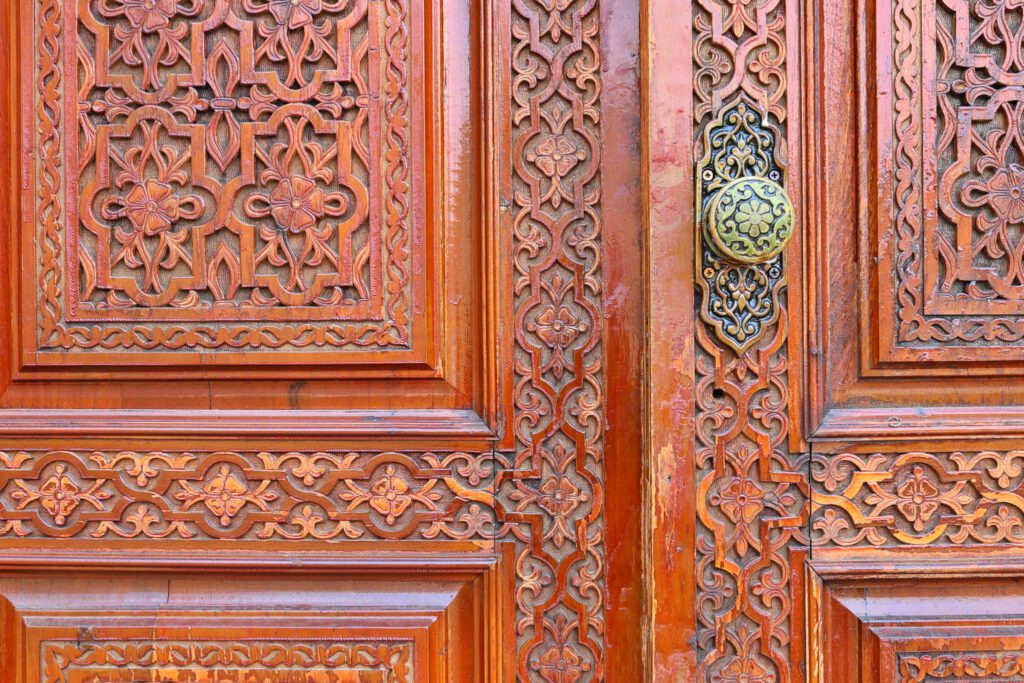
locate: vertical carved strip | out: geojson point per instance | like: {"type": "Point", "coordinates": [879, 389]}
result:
{"type": "Point", "coordinates": [552, 495]}
{"type": "Point", "coordinates": [751, 503]}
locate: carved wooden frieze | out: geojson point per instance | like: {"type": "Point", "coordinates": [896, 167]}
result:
{"type": "Point", "coordinates": [322, 497]}
{"type": "Point", "coordinates": [918, 498]}
{"type": "Point", "coordinates": [223, 175]}
{"type": "Point", "coordinates": [936, 667]}
{"type": "Point", "coordinates": [208, 662]}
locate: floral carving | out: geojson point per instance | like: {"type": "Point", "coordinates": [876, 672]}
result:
{"type": "Point", "coordinates": [958, 498]}
{"type": "Point", "coordinates": [556, 156]}
{"type": "Point", "coordinates": [59, 495]}
{"type": "Point", "coordinates": [295, 13]}
{"type": "Point", "coordinates": [918, 499]}
{"type": "Point", "coordinates": [743, 670]}
{"type": "Point", "coordinates": [390, 495]}
{"type": "Point", "coordinates": [561, 665]}
{"type": "Point", "coordinates": [222, 195]}
{"type": "Point", "coordinates": [741, 500]}
{"type": "Point", "coordinates": [149, 15]}
{"type": "Point", "coordinates": [226, 494]}
{"type": "Point", "coordinates": [131, 46]}
{"type": "Point", "coordinates": [297, 204]}
{"type": "Point", "coordinates": [1003, 192]}
{"type": "Point", "coordinates": [152, 208]}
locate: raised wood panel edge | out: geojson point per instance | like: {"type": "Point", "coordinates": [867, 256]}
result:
{"type": "Point", "coordinates": [913, 423]}
{"type": "Point", "coordinates": [422, 424]}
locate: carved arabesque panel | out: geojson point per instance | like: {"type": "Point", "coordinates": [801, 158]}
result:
{"type": "Point", "coordinates": [224, 174]}
{"type": "Point", "coordinates": [918, 499]}
{"type": "Point", "coordinates": [951, 271]}
{"type": "Point", "coordinates": [751, 498]}
{"type": "Point", "coordinates": [977, 666]}
{"type": "Point", "coordinates": [219, 495]}
{"type": "Point", "coordinates": [551, 492]}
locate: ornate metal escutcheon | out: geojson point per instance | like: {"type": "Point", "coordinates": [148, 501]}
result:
{"type": "Point", "coordinates": [747, 219]}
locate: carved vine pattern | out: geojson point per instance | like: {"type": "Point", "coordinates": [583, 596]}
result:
{"type": "Point", "coordinates": [960, 666]}
{"type": "Point", "coordinates": [272, 662]}
{"type": "Point", "coordinates": [227, 156]}
{"type": "Point", "coordinates": [918, 499]}
{"type": "Point", "coordinates": [752, 502]}
{"type": "Point", "coordinates": [296, 496]}
{"type": "Point", "coordinates": [551, 493]}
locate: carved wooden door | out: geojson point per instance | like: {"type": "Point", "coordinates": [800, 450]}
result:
{"type": "Point", "coordinates": [311, 312]}
{"type": "Point", "coordinates": [837, 427]}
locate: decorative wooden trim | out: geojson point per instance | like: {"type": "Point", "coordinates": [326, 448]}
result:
{"type": "Point", "coordinates": [276, 662]}
{"type": "Point", "coordinates": [750, 484]}
{"type": "Point", "coordinates": [904, 424]}
{"type": "Point", "coordinates": [554, 197]}
{"type": "Point", "coordinates": [437, 424]}
{"type": "Point", "coordinates": [917, 499]}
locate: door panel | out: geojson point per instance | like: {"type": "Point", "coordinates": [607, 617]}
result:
{"type": "Point", "coordinates": [841, 423]}
{"type": "Point", "coordinates": [308, 333]}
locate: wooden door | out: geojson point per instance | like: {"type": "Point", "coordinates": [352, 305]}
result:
{"type": "Point", "coordinates": [319, 346]}
{"type": "Point", "coordinates": [837, 432]}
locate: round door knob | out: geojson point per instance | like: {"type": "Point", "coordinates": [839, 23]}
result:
{"type": "Point", "coordinates": [750, 220]}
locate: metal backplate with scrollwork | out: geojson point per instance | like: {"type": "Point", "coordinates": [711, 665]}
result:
{"type": "Point", "coordinates": [740, 286]}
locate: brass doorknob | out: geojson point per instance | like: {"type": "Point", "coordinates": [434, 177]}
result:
{"type": "Point", "coordinates": [750, 220]}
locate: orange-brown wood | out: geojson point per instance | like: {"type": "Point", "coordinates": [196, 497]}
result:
{"type": "Point", "coordinates": [321, 354]}
{"type": "Point", "coordinates": [835, 437]}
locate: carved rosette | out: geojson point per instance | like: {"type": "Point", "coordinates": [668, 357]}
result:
{"type": "Point", "coordinates": [751, 499]}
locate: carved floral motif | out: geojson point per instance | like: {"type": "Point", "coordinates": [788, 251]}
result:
{"type": "Point", "coordinates": [751, 497]}
{"type": "Point", "coordinates": [918, 498]}
{"type": "Point", "coordinates": [227, 154]}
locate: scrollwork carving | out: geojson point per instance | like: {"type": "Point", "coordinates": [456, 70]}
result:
{"type": "Point", "coordinates": [752, 494]}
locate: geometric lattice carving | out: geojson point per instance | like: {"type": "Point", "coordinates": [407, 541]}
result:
{"type": "Point", "coordinates": [952, 260]}
{"type": "Point", "coordinates": [222, 175]}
